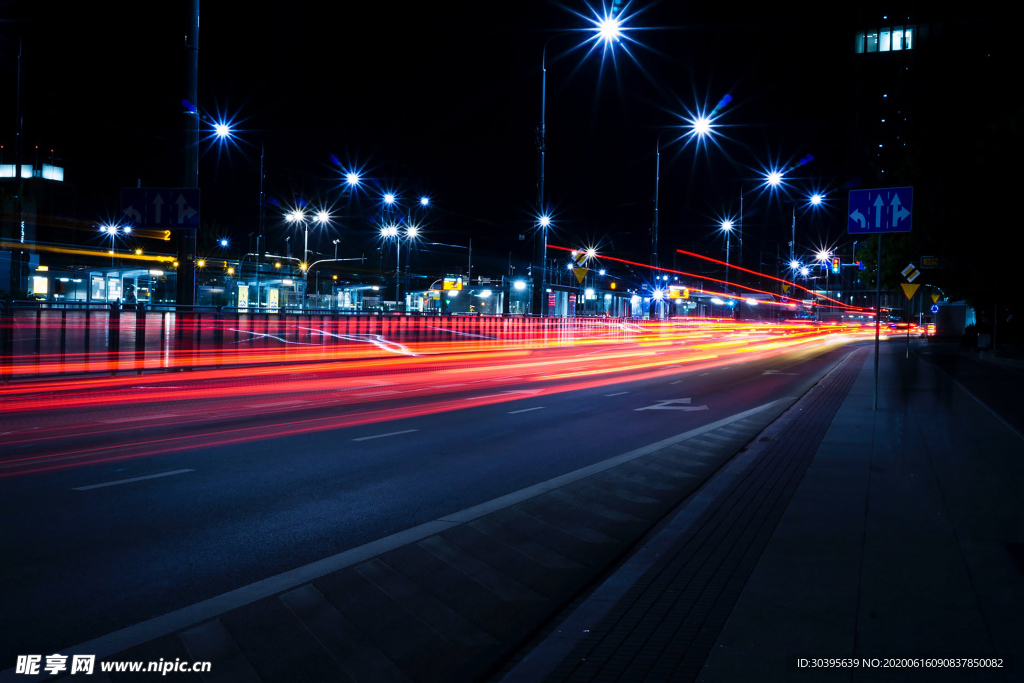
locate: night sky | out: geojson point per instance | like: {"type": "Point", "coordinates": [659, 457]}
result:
{"type": "Point", "coordinates": [443, 98]}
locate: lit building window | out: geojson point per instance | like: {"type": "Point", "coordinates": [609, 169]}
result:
{"type": "Point", "coordinates": [888, 39]}
{"type": "Point", "coordinates": [883, 42]}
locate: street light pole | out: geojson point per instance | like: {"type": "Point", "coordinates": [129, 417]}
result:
{"type": "Point", "coordinates": [657, 187]}
{"type": "Point", "coordinates": [186, 280]}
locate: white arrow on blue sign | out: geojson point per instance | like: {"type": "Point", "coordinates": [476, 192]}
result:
{"type": "Point", "coordinates": [160, 207]}
{"type": "Point", "coordinates": [879, 211]}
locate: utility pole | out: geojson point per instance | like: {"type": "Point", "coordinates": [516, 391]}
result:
{"type": "Point", "coordinates": [186, 295]}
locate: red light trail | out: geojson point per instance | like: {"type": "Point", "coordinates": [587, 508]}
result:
{"type": "Point", "coordinates": [64, 422]}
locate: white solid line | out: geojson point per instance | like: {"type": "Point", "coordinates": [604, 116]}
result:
{"type": "Point", "coordinates": [381, 436]}
{"type": "Point", "coordinates": [617, 393]}
{"type": "Point", "coordinates": [139, 418]}
{"type": "Point", "coordinates": [154, 628]}
{"type": "Point", "coordinates": [524, 410]}
{"type": "Point", "coordinates": [128, 481]}
{"type": "Point", "coordinates": [679, 380]}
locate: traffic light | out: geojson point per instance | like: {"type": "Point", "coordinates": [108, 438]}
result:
{"type": "Point", "coordinates": [835, 264]}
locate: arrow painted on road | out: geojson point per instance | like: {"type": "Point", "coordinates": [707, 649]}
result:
{"type": "Point", "coordinates": [671, 404]}
{"type": "Point", "coordinates": [184, 210]}
{"type": "Point", "coordinates": [898, 212]}
{"type": "Point", "coordinates": [859, 217]}
{"type": "Point", "coordinates": [878, 211]}
{"type": "Point", "coordinates": [159, 204]}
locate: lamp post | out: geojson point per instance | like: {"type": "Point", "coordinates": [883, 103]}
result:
{"type": "Point", "coordinates": [727, 229]}
{"type": "Point", "coordinates": [700, 126]}
{"type": "Point", "coordinates": [608, 29]}
{"type": "Point", "coordinates": [299, 216]}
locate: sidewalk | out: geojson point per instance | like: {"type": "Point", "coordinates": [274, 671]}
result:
{"type": "Point", "coordinates": [900, 534]}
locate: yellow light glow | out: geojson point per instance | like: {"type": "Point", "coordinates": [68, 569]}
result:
{"type": "Point", "coordinates": [231, 271]}
{"type": "Point", "coordinates": [201, 263]}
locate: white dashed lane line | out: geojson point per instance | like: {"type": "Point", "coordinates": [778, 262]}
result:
{"type": "Point", "coordinates": [381, 436]}
{"type": "Point", "coordinates": [525, 410]}
{"type": "Point", "coordinates": [129, 481]}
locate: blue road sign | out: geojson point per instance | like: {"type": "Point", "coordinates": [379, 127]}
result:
{"type": "Point", "coordinates": [880, 211]}
{"type": "Point", "coordinates": [935, 308]}
{"type": "Point", "coordinates": [160, 207]}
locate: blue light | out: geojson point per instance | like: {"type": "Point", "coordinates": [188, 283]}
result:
{"type": "Point", "coordinates": [424, 201]}
{"type": "Point", "coordinates": [816, 199]}
{"type": "Point", "coordinates": [609, 28]}
{"type": "Point", "coordinates": [773, 178]}
{"type": "Point", "coordinates": [545, 221]}
{"type": "Point", "coordinates": [223, 243]}
{"type": "Point", "coordinates": [352, 179]}
{"type": "Point", "coordinates": [222, 130]}
{"type": "Point", "coordinates": [389, 198]}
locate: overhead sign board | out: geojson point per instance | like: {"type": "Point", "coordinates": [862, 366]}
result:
{"type": "Point", "coordinates": [880, 211]}
{"type": "Point", "coordinates": [929, 261]}
{"type": "Point", "coordinates": [160, 207]}
{"type": "Point", "coordinates": [452, 284]}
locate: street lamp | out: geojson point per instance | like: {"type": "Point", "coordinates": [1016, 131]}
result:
{"type": "Point", "coordinates": [607, 29]}
{"type": "Point", "coordinates": [700, 126]}
{"type": "Point", "coordinates": [727, 229]}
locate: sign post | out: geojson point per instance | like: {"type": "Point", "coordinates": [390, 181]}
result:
{"type": "Point", "coordinates": [877, 212]}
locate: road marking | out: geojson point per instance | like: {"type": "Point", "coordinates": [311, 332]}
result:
{"type": "Point", "coordinates": [381, 436]}
{"type": "Point", "coordinates": [507, 394]}
{"type": "Point", "coordinates": [524, 410]}
{"type": "Point", "coordinates": [776, 372]}
{"type": "Point", "coordinates": [139, 418]}
{"type": "Point", "coordinates": [679, 380]}
{"type": "Point", "coordinates": [617, 393]}
{"type": "Point", "coordinates": [128, 481]}
{"type": "Point", "coordinates": [673, 404]}
{"type": "Point", "coordinates": [276, 404]}
{"type": "Point", "coordinates": [180, 619]}
{"type": "Point", "coordinates": [704, 374]}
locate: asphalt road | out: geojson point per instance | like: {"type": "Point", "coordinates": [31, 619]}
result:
{"type": "Point", "coordinates": [82, 559]}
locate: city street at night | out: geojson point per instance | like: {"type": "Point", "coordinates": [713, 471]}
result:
{"type": "Point", "coordinates": [582, 341]}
